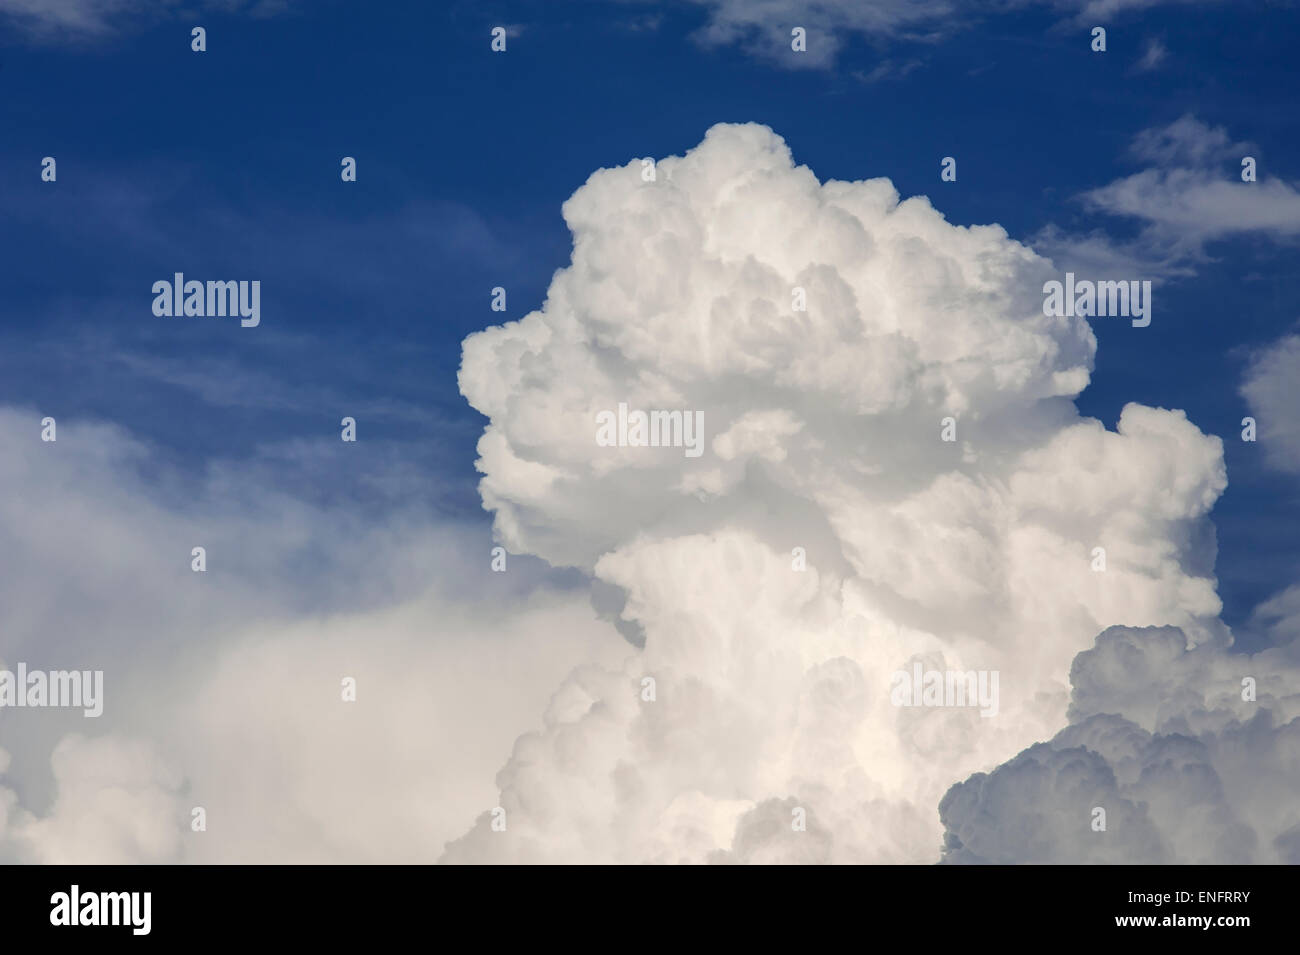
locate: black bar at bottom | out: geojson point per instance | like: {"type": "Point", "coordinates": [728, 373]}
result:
{"type": "Point", "coordinates": [578, 905]}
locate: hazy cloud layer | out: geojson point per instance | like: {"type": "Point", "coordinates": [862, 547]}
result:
{"type": "Point", "coordinates": [223, 689]}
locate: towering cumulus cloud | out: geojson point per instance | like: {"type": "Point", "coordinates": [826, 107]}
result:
{"type": "Point", "coordinates": [828, 536]}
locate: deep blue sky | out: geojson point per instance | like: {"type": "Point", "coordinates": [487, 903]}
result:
{"type": "Point", "coordinates": [226, 164]}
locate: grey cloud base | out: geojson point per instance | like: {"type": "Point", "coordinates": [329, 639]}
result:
{"type": "Point", "coordinates": [1160, 738]}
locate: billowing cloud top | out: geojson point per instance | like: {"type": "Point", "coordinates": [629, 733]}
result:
{"type": "Point", "coordinates": [823, 432]}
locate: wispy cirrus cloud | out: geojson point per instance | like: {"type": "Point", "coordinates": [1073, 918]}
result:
{"type": "Point", "coordinates": [762, 27]}
{"type": "Point", "coordinates": [52, 20]}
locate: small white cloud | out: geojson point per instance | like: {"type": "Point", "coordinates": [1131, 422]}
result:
{"type": "Point", "coordinates": [1192, 196]}
{"type": "Point", "coordinates": [1271, 386]}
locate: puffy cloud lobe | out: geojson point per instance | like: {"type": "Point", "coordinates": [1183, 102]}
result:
{"type": "Point", "coordinates": [823, 432]}
{"type": "Point", "coordinates": [117, 802]}
{"type": "Point", "coordinates": [1160, 737]}
{"type": "Point", "coordinates": [1279, 616]}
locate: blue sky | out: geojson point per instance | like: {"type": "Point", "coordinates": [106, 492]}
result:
{"type": "Point", "coordinates": [226, 164]}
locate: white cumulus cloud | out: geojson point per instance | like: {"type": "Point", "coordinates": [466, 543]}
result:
{"type": "Point", "coordinates": [823, 432]}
